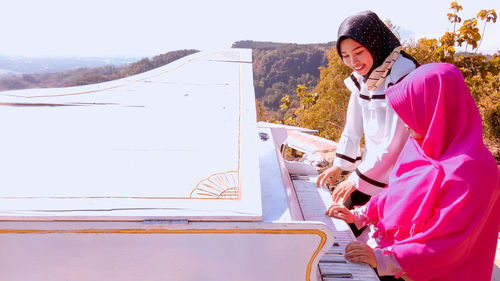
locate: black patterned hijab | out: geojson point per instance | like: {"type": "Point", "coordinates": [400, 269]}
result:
{"type": "Point", "coordinates": [367, 29]}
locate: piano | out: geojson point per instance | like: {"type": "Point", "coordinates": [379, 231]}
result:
{"type": "Point", "coordinates": [164, 175]}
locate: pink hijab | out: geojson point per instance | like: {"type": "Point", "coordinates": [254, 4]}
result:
{"type": "Point", "coordinates": [436, 214]}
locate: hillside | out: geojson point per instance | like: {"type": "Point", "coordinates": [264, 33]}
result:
{"type": "Point", "coordinates": [25, 65]}
{"type": "Point", "coordinates": [85, 76]}
{"type": "Point", "coordinates": [279, 67]}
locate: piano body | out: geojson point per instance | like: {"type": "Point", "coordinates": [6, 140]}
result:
{"type": "Point", "coordinates": [159, 176]}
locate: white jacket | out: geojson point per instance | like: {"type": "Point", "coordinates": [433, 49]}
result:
{"type": "Point", "coordinates": [370, 114]}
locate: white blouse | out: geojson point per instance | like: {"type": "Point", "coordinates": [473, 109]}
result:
{"type": "Point", "coordinates": [370, 114]}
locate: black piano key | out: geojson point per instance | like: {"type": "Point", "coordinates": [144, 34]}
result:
{"type": "Point", "coordinates": [337, 275]}
{"type": "Point", "coordinates": [332, 261]}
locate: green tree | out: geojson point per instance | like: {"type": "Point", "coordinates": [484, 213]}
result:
{"type": "Point", "coordinates": [279, 67]}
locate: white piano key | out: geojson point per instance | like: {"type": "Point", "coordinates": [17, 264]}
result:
{"type": "Point", "coordinates": [333, 266]}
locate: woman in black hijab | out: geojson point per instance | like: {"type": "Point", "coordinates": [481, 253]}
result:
{"type": "Point", "coordinates": [369, 47]}
{"type": "Point", "coordinates": [367, 29]}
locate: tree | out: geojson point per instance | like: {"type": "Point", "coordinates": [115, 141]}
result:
{"type": "Point", "coordinates": [453, 17]}
{"type": "Point", "coordinates": [480, 72]}
{"type": "Point", "coordinates": [327, 111]}
{"type": "Point", "coordinates": [482, 75]}
{"type": "Point", "coordinates": [487, 16]}
{"type": "Point", "coordinates": [279, 67]}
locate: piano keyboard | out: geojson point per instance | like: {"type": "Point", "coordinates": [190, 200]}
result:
{"type": "Point", "coordinates": [333, 266]}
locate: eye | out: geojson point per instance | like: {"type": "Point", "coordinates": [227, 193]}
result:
{"type": "Point", "coordinates": [359, 53]}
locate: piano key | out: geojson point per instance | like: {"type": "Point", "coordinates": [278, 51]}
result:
{"type": "Point", "coordinates": [333, 266]}
{"type": "Point", "coordinates": [337, 275]}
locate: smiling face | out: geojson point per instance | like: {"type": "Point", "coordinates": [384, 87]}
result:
{"type": "Point", "coordinates": [356, 56]}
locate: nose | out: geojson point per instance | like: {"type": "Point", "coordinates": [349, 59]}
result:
{"type": "Point", "coordinates": [353, 59]}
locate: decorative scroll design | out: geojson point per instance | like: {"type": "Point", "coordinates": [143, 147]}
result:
{"type": "Point", "coordinates": [218, 186]}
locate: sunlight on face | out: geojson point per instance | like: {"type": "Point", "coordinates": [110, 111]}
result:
{"type": "Point", "coordinates": [356, 56]}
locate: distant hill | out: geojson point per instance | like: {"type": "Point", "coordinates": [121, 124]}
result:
{"type": "Point", "coordinates": [279, 67]}
{"type": "Point", "coordinates": [28, 65]}
{"type": "Point", "coordinates": [263, 45]}
{"type": "Point", "coordinates": [86, 75]}
{"type": "Point", "coordinates": [7, 72]}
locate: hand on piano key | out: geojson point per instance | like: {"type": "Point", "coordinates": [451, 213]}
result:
{"type": "Point", "coordinates": [340, 211]}
{"type": "Point", "coordinates": [360, 252]}
{"type": "Point", "coordinates": [342, 191]}
{"type": "Point", "coordinates": [329, 176]}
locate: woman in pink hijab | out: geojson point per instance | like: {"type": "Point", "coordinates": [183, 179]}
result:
{"type": "Point", "coordinates": [439, 217]}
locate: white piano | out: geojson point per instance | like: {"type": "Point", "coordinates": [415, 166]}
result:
{"type": "Point", "coordinates": [159, 176]}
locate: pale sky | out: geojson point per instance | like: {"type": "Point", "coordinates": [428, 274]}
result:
{"type": "Point", "coordinates": [149, 27]}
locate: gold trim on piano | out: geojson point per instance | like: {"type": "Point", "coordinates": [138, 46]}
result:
{"type": "Point", "coordinates": [218, 186]}
{"type": "Point", "coordinates": [321, 234]}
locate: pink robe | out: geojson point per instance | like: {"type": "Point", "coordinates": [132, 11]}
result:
{"type": "Point", "coordinates": [440, 211]}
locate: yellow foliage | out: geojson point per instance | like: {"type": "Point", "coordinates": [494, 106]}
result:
{"type": "Point", "coordinates": [488, 15]}
{"type": "Point", "coordinates": [454, 6]}
{"type": "Point", "coordinates": [285, 103]}
{"type": "Point", "coordinates": [327, 113]}
{"type": "Point", "coordinates": [482, 75]}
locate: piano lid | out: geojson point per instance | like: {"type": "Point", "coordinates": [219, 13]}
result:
{"type": "Point", "coordinates": [176, 143]}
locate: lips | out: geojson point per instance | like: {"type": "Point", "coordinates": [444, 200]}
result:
{"type": "Point", "coordinates": [359, 67]}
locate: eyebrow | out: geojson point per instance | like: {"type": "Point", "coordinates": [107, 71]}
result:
{"type": "Point", "coordinates": [352, 49]}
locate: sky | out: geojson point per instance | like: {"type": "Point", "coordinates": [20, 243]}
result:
{"type": "Point", "coordinates": [148, 27]}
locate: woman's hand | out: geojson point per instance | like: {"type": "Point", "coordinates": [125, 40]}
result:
{"type": "Point", "coordinates": [329, 175]}
{"type": "Point", "coordinates": [360, 252]}
{"type": "Point", "coordinates": [342, 191]}
{"type": "Point", "coordinates": [341, 212]}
